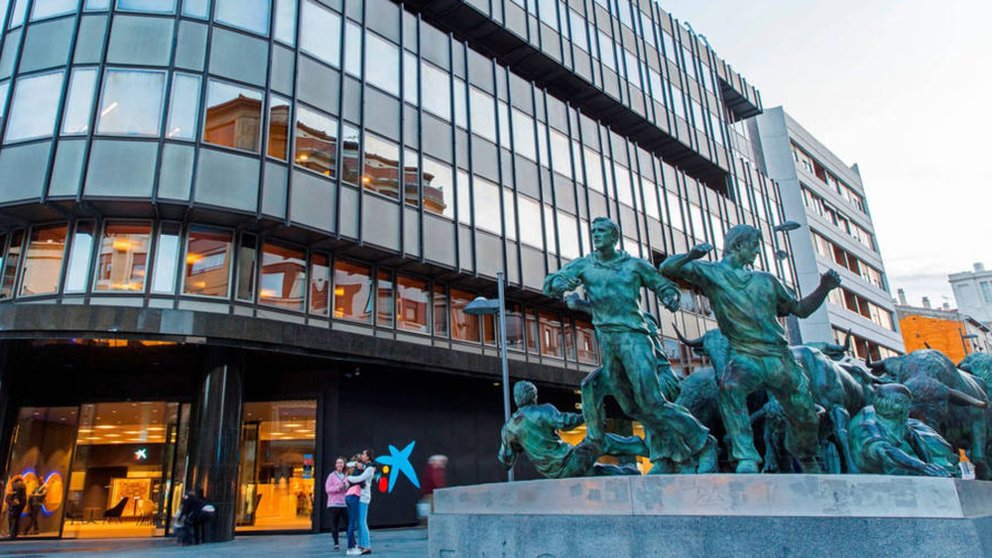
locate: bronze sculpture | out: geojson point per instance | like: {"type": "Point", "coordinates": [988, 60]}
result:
{"type": "Point", "coordinates": [613, 281]}
{"type": "Point", "coordinates": [533, 431]}
{"type": "Point", "coordinates": [747, 304]}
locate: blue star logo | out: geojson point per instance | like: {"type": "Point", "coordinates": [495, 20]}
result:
{"type": "Point", "coordinates": [399, 462]}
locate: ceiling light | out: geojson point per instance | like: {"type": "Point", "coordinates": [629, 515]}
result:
{"type": "Point", "coordinates": [106, 426]}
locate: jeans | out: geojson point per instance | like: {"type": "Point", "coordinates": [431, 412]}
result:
{"type": "Point", "coordinates": [353, 505]}
{"type": "Point", "coordinates": [363, 526]}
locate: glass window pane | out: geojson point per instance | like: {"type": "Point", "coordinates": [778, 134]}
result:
{"type": "Point", "coordinates": [353, 49]}
{"type": "Point", "coordinates": [196, 8]}
{"type": "Point", "coordinates": [285, 21]}
{"type": "Point", "coordinates": [463, 326]}
{"type": "Point", "coordinates": [382, 63]}
{"type": "Point", "coordinates": [561, 158]}
{"type": "Point", "coordinates": [251, 15]}
{"type": "Point", "coordinates": [568, 236]}
{"type": "Point", "coordinates": [550, 329]}
{"type": "Point", "coordinates": [438, 193]}
{"type": "Point", "coordinates": [131, 103]}
{"type": "Point", "coordinates": [79, 258]}
{"type": "Point", "coordinates": [20, 11]}
{"type": "Point", "coordinates": [43, 260]}
{"type": "Point", "coordinates": [350, 156]}
{"type": "Point", "coordinates": [246, 268]}
{"type": "Point", "coordinates": [33, 108]}
{"type": "Point", "coordinates": [79, 104]}
{"type": "Point", "coordinates": [410, 92]}
{"type": "Point", "coordinates": [487, 204]}
{"type": "Point", "coordinates": [276, 466]}
{"type": "Point", "coordinates": [166, 259]}
{"type": "Point", "coordinates": [464, 200]}
{"type": "Point", "coordinates": [51, 8]}
{"type": "Point", "coordinates": [123, 258]}
{"type": "Point", "coordinates": [523, 135]}
{"type": "Point", "coordinates": [509, 215]}
{"type": "Point", "coordinates": [440, 311]}
{"type": "Point", "coordinates": [233, 116]}
{"type": "Point", "coordinates": [461, 107]}
{"type": "Point", "coordinates": [352, 292]}
{"type": "Point", "coordinates": [530, 221]}
{"type": "Point", "coordinates": [185, 104]}
{"type": "Point", "coordinates": [385, 306]}
{"type": "Point", "coordinates": [283, 277]}
{"type": "Point", "coordinates": [278, 136]}
{"type": "Point", "coordinates": [4, 87]}
{"type": "Point", "coordinates": [208, 262]}
{"type": "Point", "coordinates": [411, 173]}
{"type": "Point", "coordinates": [11, 263]}
{"type": "Point", "coordinates": [483, 114]}
{"type": "Point", "coordinates": [316, 141]}
{"type": "Point", "coordinates": [320, 284]}
{"type": "Point", "coordinates": [381, 172]}
{"type": "Point", "coordinates": [96, 5]}
{"type": "Point", "coordinates": [438, 82]}
{"type": "Point", "coordinates": [320, 30]}
{"type": "Point", "coordinates": [412, 304]}
{"type": "Point", "coordinates": [155, 6]}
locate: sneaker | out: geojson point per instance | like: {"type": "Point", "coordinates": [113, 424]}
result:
{"type": "Point", "coordinates": [353, 552]}
{"type": "Point", "coordinates": [366, 551]}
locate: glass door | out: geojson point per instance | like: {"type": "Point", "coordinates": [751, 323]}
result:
{"type": "Point", "coordinates": [276, 475]}
{"type": "Point", "coordinates": [38, 469]}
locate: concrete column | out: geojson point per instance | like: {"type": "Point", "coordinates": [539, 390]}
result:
{"type": "Point", "coordinates": [215, 439]}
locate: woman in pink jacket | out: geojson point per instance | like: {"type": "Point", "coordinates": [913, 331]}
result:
{"type": "Point", "coordinates": [335, 487]}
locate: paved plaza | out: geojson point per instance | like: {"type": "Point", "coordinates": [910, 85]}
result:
{"type": "Point", "coordinates": [392, 543]}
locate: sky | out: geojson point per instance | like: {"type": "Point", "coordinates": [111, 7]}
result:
{"type": "Point", "coordinates": [900, 87]}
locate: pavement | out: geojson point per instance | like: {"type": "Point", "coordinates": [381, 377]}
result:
{"type": "Point", "coordinates": [390, 543]}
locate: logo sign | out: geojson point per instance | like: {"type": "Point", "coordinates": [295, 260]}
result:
{"type": "Point", "coordinates": [141, 454]}
{"type": "Point", "coordinates": [395, 464]}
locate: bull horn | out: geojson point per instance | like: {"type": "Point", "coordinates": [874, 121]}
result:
{"type": "Point", "coordinates": [694, 343]}
{"type": "Point", "coordinates": [960, 398]}
{"type": "Point", "coordinates": [847, 340]}
{"type": "Point", "coordinates": [927, 345]}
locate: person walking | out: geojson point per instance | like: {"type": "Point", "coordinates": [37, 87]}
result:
{"type": "Point", "coordinates": [336, 487]}
{"type": "Point", "coordinates": [352, 500]}
{"type": "Point", "coordinates": [16, 499]}
{"type": "Point", "coordinates": [365, 480]}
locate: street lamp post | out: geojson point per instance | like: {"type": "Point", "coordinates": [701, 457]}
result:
{"type": "Point", "coordinates": [483, 306]}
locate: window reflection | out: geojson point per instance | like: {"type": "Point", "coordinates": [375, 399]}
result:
{"type": "Point", "coordinates": [278, 128]}
{"type": "Point", "coordinates": [568, 236]}
{"type": "Point", "coordinates": [440, 311]}
{"type": "Point", "coordinates": [32, 110]}
{"type": "Point", "coordinates": [411, 178]}
{"type": "Point", "coordinates": [586, 342]}
{"type": "Point", "coordinates": [196, 8]}
{"type": "Point", "coordinates": [320, 284]}
{"type": "Point", "coordinates": [529, 212]}
{"type": "Point", "coordinates": [250, 15]}
{"type": "Point", "coordinates": [487, 204]}
{"type": "Point", "coordinates": [412, 304]}
{"type": "Point", "coordinates": [352, 292]}
{"type": "Point", "coordinates": [381, 170]}
{"type": "Point", "coordinates": [233, 116]}
{"type": "Point", "coordinates": [51, 8]}
{"type": "Point", "coordinates": [385, 304]}
{"type": "Point", "coordinates": [523, 135]}
{"type": "Point", "coordinates": [438, 82]}
{"type": "Point", "coordinates": [208, 262]}
{"type": "Point", "coordinates": [283, 279]}
{"type": "Point", "coordinates": [550, 328]}
{"type": "Point", "coordinates": [185, 105]}
{"type": "Point", "coordinates": [131, 103]}
{"type": "Point", "coordinates": [316, 141]}
{"type": "Point", "coordinates": [382, 64]}
{"type": "Point", "coordinates": [123, 258]}
{"type": "Point", "coordinates": [154, 6]}
{"type": "Point", "coordinates": [285, 22]}
{"type": "Point", "coordinates": [11, 263]}
{"type": "Point", "coordinates": [483, 114]}
{"type": "Point", "coordinates": [410, 92]}
{"type": "Point", "coordinates": [247, 250]}
{"type": "Point", "coordinates": [79, 258]}
{"type": "Point", "coordinates": [18, 13]}
{"type": "Point", "coordinates": [166, 259]}
{"type": "Point", "coordinates": [350, 155]}
{"type": "Point", "coordinates": [463, 326]}
{"type": "Point", "coordinates": [43, 260]}
{"type": "Point", "coordinates": [79, 104]}
{"type": "Point", "coordinates": [317, 26]}
{"type": "Point", "coordinates": [437, 191]}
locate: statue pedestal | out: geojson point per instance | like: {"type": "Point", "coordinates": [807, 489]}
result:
{"type": "Point", "coordinates": [715, 515]}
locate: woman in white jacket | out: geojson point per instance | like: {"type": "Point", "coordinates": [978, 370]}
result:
{"type": "Point", "coordinates": [365, 479]}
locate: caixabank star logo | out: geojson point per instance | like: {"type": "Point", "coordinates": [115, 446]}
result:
{"type": "Point", "coordinates": [395, 464]}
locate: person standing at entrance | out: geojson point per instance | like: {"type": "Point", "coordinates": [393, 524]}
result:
{"type": "Point", "coordinates": [35, 502]}
{"type": "Point", "coordinates": [352, 499]}
{"type": "Point", "coordinates": [16, 500]}
{"type": "Point", "coordinates": [368, 474]}
{"type": "Point", "coordinates": [336, 487]}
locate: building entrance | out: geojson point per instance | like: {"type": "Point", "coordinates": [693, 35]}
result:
{"type": "Point", "coordinates": [99, 470]}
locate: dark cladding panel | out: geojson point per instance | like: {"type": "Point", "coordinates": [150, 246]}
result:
{"type": "Point", "coordinates": [381, 222]}
{"type": "Point", "coordinates": [121, 168]}
{"type": "Point", "coordinates": [439, 240]}
{"type": "Point", "coordinates": [227, 180]}
{"type": "Point", "coordinates": [22, 171]}
{"type": "Point", "coordinates": [312, 201]}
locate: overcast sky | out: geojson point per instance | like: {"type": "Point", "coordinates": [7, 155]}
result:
{"type": "Point", "coordinates": [900, 87]}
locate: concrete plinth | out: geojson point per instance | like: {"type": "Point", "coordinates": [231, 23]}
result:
{"type": "Point", "coordinates": [715, 515]}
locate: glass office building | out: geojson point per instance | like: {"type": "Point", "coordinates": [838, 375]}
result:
{"type": "Point", "coordinates": [238, 236]}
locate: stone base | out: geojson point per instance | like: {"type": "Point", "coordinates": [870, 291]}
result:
{"type": "Point", "coordinates": [715, 515]}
